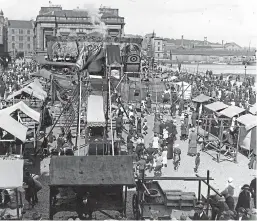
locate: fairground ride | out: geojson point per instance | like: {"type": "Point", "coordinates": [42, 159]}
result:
{"type": "Point", "coordinates": [102, 65]}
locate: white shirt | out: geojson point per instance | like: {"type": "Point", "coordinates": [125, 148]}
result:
{"type": "Point", "coordinates": [165, 134]}
{"type": "Point", "coordinates": [156, 142]}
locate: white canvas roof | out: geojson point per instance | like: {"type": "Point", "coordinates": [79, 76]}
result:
{"type": "Point", "coordinates": [29, 91]}
{"type": "Point", "coordinates": [95, 111]}
{"type": "Point", "coordinates": [11, 173]}
{"type": "Point", "coordinates": [24, 108]}
{"type": "Point", "coordinates": [13, 127]}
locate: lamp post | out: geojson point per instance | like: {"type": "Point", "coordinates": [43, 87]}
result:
{"type": "Point", "coordinates": [245, 71]}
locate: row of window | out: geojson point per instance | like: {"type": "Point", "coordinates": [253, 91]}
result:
{"type": "Point", "coordinates": [21, 31]}
{"type": "Point", "coordinates": [21, 46]}
{"type": "Point", "coordinates": [21, 38]}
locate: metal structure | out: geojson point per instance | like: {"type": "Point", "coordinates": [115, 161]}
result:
{"type": "Point", "coordinates": [152, 202]}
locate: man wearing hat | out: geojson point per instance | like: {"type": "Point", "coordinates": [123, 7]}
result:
{"type": "Point", "coordinates": [199, 213]}
{"type": "Point", "coordinates": [244, 198]}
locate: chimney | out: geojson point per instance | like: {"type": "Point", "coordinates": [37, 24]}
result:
{"type": "Point", "coordinates": [205, 40]}
{"type": "Point", "coordinates": [182, 40]}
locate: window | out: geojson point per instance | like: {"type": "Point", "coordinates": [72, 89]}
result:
{"type": "Point", "coordinates": [20, 38]}
{"type": "Point", "coordinates": [158, 55]}
{"type": "Point", "coordinates": [20, 31]}
{"type": "Point", "coordinates": [28, 46]}
{"type": "Point", "coordinates": [13, 45]}
{"type": "Point", "coordinates": [159, 43]}
{"type": "Point", "coordinates": [20, 45]}
{"type": "Point", "coordinates": [13, 38]}
{"type": "Point", "coordinates": [159, 48]}
{"type": "Point", "coordinates": [28, 38]}
{"type": "Point", "coordinates": [13, 31]}
{"type": "Point", "coordinates": [28, 32]}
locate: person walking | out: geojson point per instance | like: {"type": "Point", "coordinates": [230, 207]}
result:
{"type": "Point", "coordinates": [192, 144]}
{"type": "Point", "coordinates": [197, 162]}
{"type": "Point", "coordinates": [244, 198]}
{"type": "Point", "coordinates": [253, 190]}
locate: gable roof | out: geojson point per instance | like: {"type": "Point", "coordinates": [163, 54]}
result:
{"type": "Point", "coordinates": [202, 98]}
{"type": "Point", "coordinates": [248, 120]}
{"type": "Point", "coordinates": [22, 24]}
{"type": "Point", "coordinates": [216, 106]}
{"type": "Point", "coordinates": [231, 111]}
{"type": "Point", "coordinates": [91, 170]}
{"type": "Point", "coordinates": [24, 108]}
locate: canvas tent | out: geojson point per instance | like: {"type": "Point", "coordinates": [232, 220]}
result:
{"type": "Point", "coordinates": [231, 111]}
{"type": "Point", "coordinates": [202, 98]}
{"type": "Point", "coordinates": [95, 111]}
{"type": "Point", "coordinates": [13, 127]}
{"type": "Point", "coordinates": [24, 108]}
{"type": "Point", "coordinates": [216, 106]}
{"type": "Point", "coordinates": [11, 172]}
{"type": "Point", "coordinates": [34, 89]}
{"type": "Point", "coordinates": [253, 109]}
{"type": "Point", "coordinates": [247, 139]}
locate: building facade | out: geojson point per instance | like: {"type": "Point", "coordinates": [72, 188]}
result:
{"type": "Point", "coordinates": [20, 38]}
{"type": "Point", "coordinates": [3, 35]}
{"type": "Point", "coordinates": [54, 21]}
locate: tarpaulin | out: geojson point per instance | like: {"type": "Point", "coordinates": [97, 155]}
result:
{"type": "Point", "coordinates": [95, 111]}
{"type": "Point", "coordinates": [11, 172]}
{"type": "Point", "coordinates": [96, 65]}
{"type": "Point", "coordinates": [113, 55]}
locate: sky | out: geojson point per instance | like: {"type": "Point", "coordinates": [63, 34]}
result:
{"type": "Point", "coordinates": [228, 20]}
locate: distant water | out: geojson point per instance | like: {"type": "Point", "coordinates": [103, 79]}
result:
{"type": "Point", "coordinates": [220, 68]}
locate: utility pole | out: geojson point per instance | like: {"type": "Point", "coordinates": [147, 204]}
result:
{"type": "Point", "coordinates": [245, 71]}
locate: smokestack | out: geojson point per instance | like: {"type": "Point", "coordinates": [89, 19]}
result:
{"type": "Point", "coordinates": [205, 40]}
{"type": "Point", "coordinates": [182, 40]}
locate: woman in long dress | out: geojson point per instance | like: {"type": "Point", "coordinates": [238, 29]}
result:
{"type": "Point", "coordinates": [192, 144]}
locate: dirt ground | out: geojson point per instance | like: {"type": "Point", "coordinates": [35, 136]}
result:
{"type": "Point", "coordinates": [220, 172]}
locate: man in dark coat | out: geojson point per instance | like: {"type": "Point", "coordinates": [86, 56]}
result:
{"type": "Point", "coordinates": [229, 200]}
{"type": "Point", "coordinates": [253, 190]}
{"type": "Point", "coordinates": [119, 125]}
{"type": "Point", "coordinates": [244, 198]}
{"type": "Point", "coordinates": [199, 213]}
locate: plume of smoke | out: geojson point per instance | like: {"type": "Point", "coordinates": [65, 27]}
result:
{"type": "Point", "coordinates": [95, 16]}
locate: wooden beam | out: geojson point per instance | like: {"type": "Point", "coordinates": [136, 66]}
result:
{"type": "Point", "coordinates": [176, 178]}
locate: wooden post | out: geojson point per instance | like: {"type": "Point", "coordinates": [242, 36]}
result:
{"type": "Point", "coordinates": [199, 189]}
{"type": "Point", "coordinates": [17, 201]}
{"type": "Point", "coordinates": [51, 216]}
{"type": "Point", "coordinates": [208, 192]}
{"type": "Point", "coordinates": [221, 140]}
{"type": "Point", "coordinates": [237, 145]}
{"type": "Point", "coordinates": [125, 201]}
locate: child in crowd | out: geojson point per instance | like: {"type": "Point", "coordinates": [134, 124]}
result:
{"type": "Point", "coordinates": [197, 162]}
{"type": "Point", "coordinates": [164, 156]}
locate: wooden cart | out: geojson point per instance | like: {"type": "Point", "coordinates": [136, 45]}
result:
{"type": "Point", "coordinates": [152, 202]}
{"type": "Point", "coordinates": [85, 184]}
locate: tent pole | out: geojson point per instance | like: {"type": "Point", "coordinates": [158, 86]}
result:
{"type": "Point", "coordinates": [110, 106]}
{"type": "Point", "coordinates": [79, 110]}
{"type": "Point", "coordinates": [237, 145]}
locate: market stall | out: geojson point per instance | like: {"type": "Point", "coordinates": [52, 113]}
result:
{"type": "Point", "coordinates": [32, 94]}
{"type": "Point", "coordinates": [11, 172]}
{"type": "Point", "coordinates": [247, 139]}
{"type": "Point", "coordinates": [85, 184]}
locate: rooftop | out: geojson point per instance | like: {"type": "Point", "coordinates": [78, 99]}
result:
{"type": "Point", "coordinates": [91, 170]}
{"type": "Point", "coordinates": [20, 24]}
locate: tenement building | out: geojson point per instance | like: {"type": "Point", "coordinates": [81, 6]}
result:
{"type": "Point", "coordinates": [54, 21]}
{"type": "Point", "coordinates": [20, 37]}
